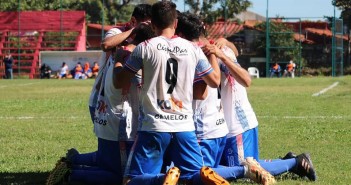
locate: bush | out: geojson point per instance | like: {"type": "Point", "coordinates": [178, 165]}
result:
{"type": "Point", "coordinates": [323, 71]}
{"type": "Point", "coordinates": [347, 70]}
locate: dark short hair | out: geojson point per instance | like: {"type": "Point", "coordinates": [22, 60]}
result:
{"type": "Point", "coordinates": [163, 14]}
{"type": "Point", "coordinates": [143, 32]}
{"type": "Point", "coordinates": [190, 25]}
{"type": "Point", "coordinates": [142, 12]}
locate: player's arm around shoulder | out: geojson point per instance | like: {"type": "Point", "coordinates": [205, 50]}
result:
{"type": "Point", "coordinates": [124, 72]}
{"type": "Point", "coordinates": [113, 41]}
{"type": "Point", "coordinates": [199, 90]}
{"type": "Point", "coordinates": [213, 79]}
{"type": "Point", "coordinates": [240, 74]}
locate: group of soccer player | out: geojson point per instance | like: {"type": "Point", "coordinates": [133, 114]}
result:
{"type": "Point", "coordinates": [169, 106]}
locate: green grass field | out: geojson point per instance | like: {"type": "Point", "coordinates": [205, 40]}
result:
{"type": "Point", "coordinates": [41, 119]}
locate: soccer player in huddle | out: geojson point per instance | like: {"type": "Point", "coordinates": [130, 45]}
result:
{"type": "Point", "coordinates": [234, 79]}
{"type": "Point", "coordinates": [211, 127]}
{"type": "Point", "coordinates": [169, 64]}
{"type": "Point", "coordinates": [112, 124]}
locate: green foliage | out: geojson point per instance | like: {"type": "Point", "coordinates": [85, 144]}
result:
{"type": "Point", "coordinates": [282, 42]}
{"type": "Point", "coordinates": [41, 119]}
{"type": "Point", "coordinates": [342, 4]}
{"type": "Point", "coordinates": [345, 7]}
{"type": "Point", "coordinates": [210, 12]}
{"type": "Point", "coordinates": [115, 11]}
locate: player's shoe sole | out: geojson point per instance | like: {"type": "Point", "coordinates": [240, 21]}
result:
{"type": "Point", "coordinates": [256, 173]}
{"type": "Point", "coordinates": [305, 167]}
{"type": "Point", "coordinates": [210, 177]}
{"type": "Point", "coordinates": [172, 176]}
{"type": "Point", "coordinates": [58, 174]}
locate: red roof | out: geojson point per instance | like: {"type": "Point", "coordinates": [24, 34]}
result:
{"type": "Point", "coordinates": [221, 29]}
{"type": "Point", "coordinates": [325, 32]}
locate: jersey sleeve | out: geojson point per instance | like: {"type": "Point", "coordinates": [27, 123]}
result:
{"type": "Point", "coordinates": [203, 67]}
{"type": "Point", "coordinates": [135, 61]}
{"type": "Point", "coordinates": [197, 79]}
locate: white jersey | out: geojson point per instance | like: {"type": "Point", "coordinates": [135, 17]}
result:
{"type": "Point", "coordinates": [209, 116]}
{"type": "Point", "coordinates": [102, 62]}
{"type": "Point", "coordinates": [169, 66]}
{"type": "Point", "coordinates": [238, 112]}
{"type": "Point", "coordinates": [94, 91]}
{"type": "Point", "coordinates": [112, 114]}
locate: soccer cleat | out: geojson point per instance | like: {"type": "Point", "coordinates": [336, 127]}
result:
{"type": "Point", "coordinates": [304, 167]}
{"type": "Point", "coordinates": [256, 173]}
{"type": "Point", "coordinates": [289, 155]}
{"type": "Point", "coordinates": [71, 153]}
{"type": "Point", "coordinates": [172, 176]}
{"type": "Point", "coordinates": [210, 177]}
{"type": "Point", "coordinates": [59, 173]}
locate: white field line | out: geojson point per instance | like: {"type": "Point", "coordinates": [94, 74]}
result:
{"type": "Point", "coordinates": [18, 85]}
{"type": "Point", "coordinates": [27, 84]}
{"type": "Point", "coordinates": [326, 89]}
{"type": "Point", "coordinates": [39, 117]}
{"type": "Point", "coordinates": [305, 117]}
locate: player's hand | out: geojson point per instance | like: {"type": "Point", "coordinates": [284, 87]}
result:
{"type": "Point", "coordinates": [121, 55]}
{"type": "Point", "coordinates": [221, 42]}
{"type": "Point", "coordinates": [212, 49]}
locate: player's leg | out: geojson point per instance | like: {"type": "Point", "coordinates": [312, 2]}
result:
{"type": "Point", "coordinates": [212, 150]}
{"type": "Point", "coordinates": [108, 169]}
{"type": "Point", "coordinates": [186, 153]}
{"type": "Point", "coordinates": [242, 150]}
{"type": "Point", "coordinates": [146, 157]}
{"type": "Point", "coordinates": [75, 158]}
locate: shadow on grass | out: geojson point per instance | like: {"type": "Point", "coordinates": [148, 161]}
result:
{"type": "Point", "coordinates": [29, 178]}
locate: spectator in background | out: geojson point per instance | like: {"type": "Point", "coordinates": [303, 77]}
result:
{"type": "Point", "coordinates": [45, 71]}
{"type": "Point", "coordinates": [275, 70]}
{"type": "Point", "coordinates": [290, 69]}
{"type": "Point", "coordinates": [63, 71]}
{"type": "Point", "coordinates": [8, 60]}
{"type": "Point", "coordinates": [87, 72]}
{"type": "Point", "coordinates": [95, 69]}
{"type": "Point", "coordinates": [78, 71]}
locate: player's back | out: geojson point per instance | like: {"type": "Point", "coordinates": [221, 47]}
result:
{"type": "Point", "coordinates": [238, 112]}
{"type": "Point", "coordinates": [169, 69]}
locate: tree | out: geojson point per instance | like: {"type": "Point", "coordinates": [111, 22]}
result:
{"type": "Point", "coordinates": [281, 40]}
{"type": "Point", "coordinates": [345, 7]}
{"type": "Point", "coordinates": [211, 10]}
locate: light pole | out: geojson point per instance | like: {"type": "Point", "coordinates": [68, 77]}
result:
{"type": "Point", "coordinates": [103, 20]}
{"type": "Point", "coordinates": [18, 40]}
{"type": "Point", "coordinates": [267, 42]}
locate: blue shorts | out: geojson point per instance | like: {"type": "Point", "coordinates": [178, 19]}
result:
{"type": "Point", "coordinates": [241, 146]}
{"type": "Point", "coordinates": [147, 153]}
{"type": "Point", "coordinates": [212, 150]}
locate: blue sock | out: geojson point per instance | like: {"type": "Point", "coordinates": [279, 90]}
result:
{"type": "Point", "coordinates": [268, 160]}
{"type": "Point", "coordinates": [278, 167]}
{"type": "Point", "coordinates": [228, 173]}
{"type": "Point", "coordinates": [147, 179]}
{"type": "Point", "coordinates": [88, 159]}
